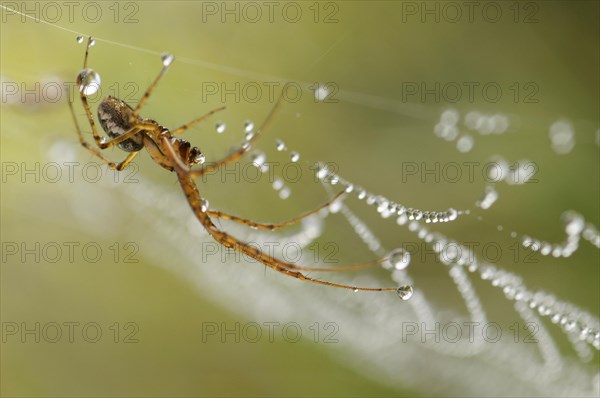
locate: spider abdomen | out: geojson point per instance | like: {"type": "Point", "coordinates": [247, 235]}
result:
{"type": "Point", "coordinates": [114, 116]}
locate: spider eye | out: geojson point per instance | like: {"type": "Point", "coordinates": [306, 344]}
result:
{"type": "Point", "coordinates": [88, 81]}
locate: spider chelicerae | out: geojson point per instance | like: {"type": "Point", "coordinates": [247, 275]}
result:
{"type": "Point", "coordinates": [132, 133]}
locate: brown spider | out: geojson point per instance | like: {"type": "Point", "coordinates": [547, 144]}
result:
{"type": "Point", "coordinates": [130, 132]}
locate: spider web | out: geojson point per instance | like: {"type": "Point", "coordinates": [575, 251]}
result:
{"type": "Point", "coordinates": [373, 339]}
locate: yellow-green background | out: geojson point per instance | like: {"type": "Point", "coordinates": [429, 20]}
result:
{"type": "Point", "coordinates": [368, 51]}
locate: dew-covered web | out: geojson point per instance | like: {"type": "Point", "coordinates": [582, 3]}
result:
{"type": "Point", "coordinates": [563, 359]}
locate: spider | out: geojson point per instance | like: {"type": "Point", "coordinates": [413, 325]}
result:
{"type": "Point", "coordinates": [132, 133]}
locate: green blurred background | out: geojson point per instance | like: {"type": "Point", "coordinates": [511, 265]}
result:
{"type": "Point", "coordinates": [368, 53]}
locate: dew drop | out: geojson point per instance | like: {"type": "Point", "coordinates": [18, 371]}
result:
{"type": "Point", "coordinates": [555, 318]}
{"type": "Point", "coordinates": [445, 131]}
{"type": "Point", "coordinates": [258, 159]}
{"type": "Point", "coordinates": [285, 193]}
{"type": "Point", "coordinates": [203, 205]}
{"type": "Point", "coordinates": [574, 223]}
{"type": "Point", "coordinates": [546, 248]}
{"type": "Point", "coordinates": [322, 172]}
{"type": "Point", "coordinates": [522, 172]}
{"type": "Point", "coordinates": [449, 117]}
{"type": "Point", "coordinates": [88, 81]}
{"type": "Point", "coordinates": [452, 214]}
{"type": "Point", "coordinates": [335, 206]}
{"type": "Point", "coordinates": [280, 146]}
{"type": "Point", "coordinates": [402, 219]}
{"type": "Point", "coordinates": [497, 169]}
{"type": "Point", "coordinates": [248, 126]}
{"type": "Point", "coordinates": [166, 59]}
{"type": "Point", "coordinates": [321, 93]}
{"type": "Point", "coordinates": [200, 158]}
{"type": "Point", "coordinates": [465, 143]}
{"type": "Point", "coordinates": [489, 198]}
{"type": "Point", "coordinates": [249, 135]}
{"type": "Point", "coordinates": [277, 184]}
{"type": "Point", "coordinates": [405, 292]}
{"type": "Point", "coordinates": [355, 290]}
{"type": "Point", "coordinates": [398, 259]}
{"type": "Point", "coordinates": [220, 127]}
{"type": "Point", "coordinates": [79, 39]}
{"type": "Point", "coordinates": [562, 137]}
{"type": "Point", "coordinates": [294, 156]}
{"type": "Point", "coordinates": [333, 179]}
{"type": "Point", "coordinates": [92, 43]}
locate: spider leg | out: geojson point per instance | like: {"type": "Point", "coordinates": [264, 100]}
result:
{"type": "Point", "coordinates": [272, 227]}
{"type": "Point", "coordinates": [100, 141]}
{"type": "Point", "coordinates": [149, 90]}
{"type": "Point", "coordinates": [115, 166]}
{"type": "Point", "coordinates": [237, 154]}
{"type": "Point", "coordinates": [87, 50]}
{"type": "Point", "coordinates": [288, 268]}
{"type": "Point", "coordinates": [193, 197]}
{"type": "Point", "coordinates": [186, 126]}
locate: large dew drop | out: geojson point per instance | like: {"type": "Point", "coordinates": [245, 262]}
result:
{"type": "Point", "coordinates": [88, 81]}
{"type": "Point", "coordinates": [405, 292]}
